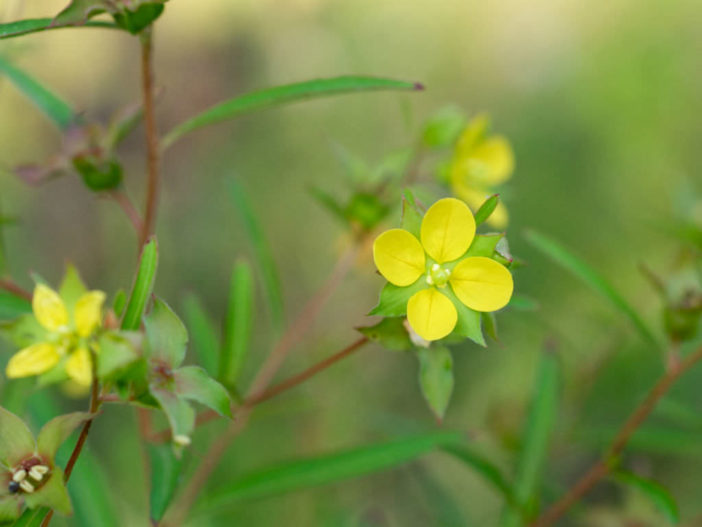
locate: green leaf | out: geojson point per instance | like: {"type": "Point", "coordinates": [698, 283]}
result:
{"type": "Point", "coordinates": [12, 306]}
{"type": "Point", "coordinates": [238, 324]}
{"type": "Point", "coordinates": [484, 245]}
{"type": "Point", "coordinates": [56, 431]}
{"type": "Point", "coordinates": [584, 272]}
{"type": "Point", "coordinates": [444, 127]}
{"type": "Point", "coordinates": [34, 25]}
{"type": "Point", "coordinates": [468, 324]}
{"type": "Point", "coordinates": [489, 321]}
{"type": "Point", "coordinates": [166, 335]}
{"type": "Point", "coordinates": [16, 441]}
{"type": "Point", "coordinates": [53, 494]}
{"type": "Point", "coordinates": [486, 209]}
{"type": "Point", "coordinates": [92, 493]}
{"type": "Point", "coordinates": [116, 353]}
{"type": "Point", "coordinates": [203, 336]}
{"type": "Point", "coordinates": [135, 21]}
{"type": "Point", "coordinates": [366, 209]}
{"type": "Point", "coordinates": [329, 468]}
{"type": "Point", "coordinates": [285, 94]}
{"type": "Point", "coordinates": [180, 415]}
{"type": "Point", "coordinates": [393, 299]}
{"type": "Point", "coordinates": [534, 450]}
{"type": "Point", "coordinates": [263, 256]}
{"type": "Point", "coordinates": [98, 174]}
{"type": "Point", "coordinates": [142, 287]}
{"type": "Point", "coordinates": [389, 333]}
{"type": "Point", "coordinates": [31, 518]}
{"type": "Point", "coordinates": [9, 509]}
{"type": "Point", "coordinates": [165, 473]}
{"type": "Point", "coordinates": [119, 302]}
{"type": "Point", "coordinates": [653, 490]}
{"type": "Point", "coordinates": [523, 303]}
{"type": "Point", "coordinates": [411, 214]}
{"type": "Point", "coordinates": [436, 378]}
{"type": "Point", "coordinates": [192, 382]}
{"type": "Point", "coordinates": [24, 331]}
{"type": "Point", "coordinates": [484, 468]}
{"type": "Point", "coordinates": [51, 105]}
{"type": "Point", "coordinates": [79, 11]}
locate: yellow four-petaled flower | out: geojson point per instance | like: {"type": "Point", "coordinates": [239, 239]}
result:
{"type": "Point", "coordinates": [479, 164]}
{"type": "Point", "coordinates": [68, 335]}
{"type": "Point", "coordinates": [446, 233]}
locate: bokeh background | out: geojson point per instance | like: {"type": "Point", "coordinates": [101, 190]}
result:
{"type": "Point", "coordinates": [601, 102]}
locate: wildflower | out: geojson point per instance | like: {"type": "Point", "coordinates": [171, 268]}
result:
{"type": "Point", "coordinates": [28, 473]}
{"type": "Point", "coordinates": [69, 324]}
{"type": "Point", "coordinates": [479, 164]}
{"type": "Point", "coordinates": [445, 279]}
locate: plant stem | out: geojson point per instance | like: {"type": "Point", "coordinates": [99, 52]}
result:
{"type": "Point", "coordinates": [93, 408]}
{"type": "Point", "coordinates": [11, 287]}
{"type": "Point", "coordinates": [603, 466]}
{"type": "Point", "coordinates": [220, 446]}
{"type": "Point", "coordinates": [129, 210]}
{"type": "Point", "coordinates": [152, 139]}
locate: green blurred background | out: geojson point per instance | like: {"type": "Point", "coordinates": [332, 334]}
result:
{"type": "Point", "coordinates": [601, 102]}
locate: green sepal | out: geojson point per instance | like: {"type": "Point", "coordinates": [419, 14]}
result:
{"type": "Point", "coordinates": [98, 174]}
{"type": "Point", "coordinates": [484, 245]}
{"type": "Point", "coordinates": [180, 415]}
{"type": "Point", "coordinates": [72, 288]}
{"type": "Point", "coordinates": [468, 323]}
{"type": "Point", "coordinates": [56, 431]}
{"type": "Point", "coordinates": [486, 209]}
{"type": "Point", "coordinates": [116, 352]}
{"type": "Point", "coordinates": [16, 440]}
{"type": "Point", "coordinates": [136, 20]}
{"type": "Point", "coordinates": [166, 336]}
{"type": "Point", "coordinates": [489, 321]}
{"type": "Point", "coordinates": [389, 333]}
{"type": "Point", "coordinates": [10, 509]}
{"type": "Point", "coordinates": [193, 383]}
{"type": "Point", "coordinates": [78, 12]}
{"type": "Point", "coordinates": [443, 128]}
{"type": "Point", "coordinates": [411, 214]}
{"type": "Point", "coordinates": [53, 494]}
{"type": "Point", "coordinates": [436, 377]}
{"type": "Point", "coordinates": [393, 299]}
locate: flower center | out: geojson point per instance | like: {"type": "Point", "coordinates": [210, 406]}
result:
{"type": "Point", "coordinates": [28, 476]}
{"type": "Point", "coordinates": [438, 276]}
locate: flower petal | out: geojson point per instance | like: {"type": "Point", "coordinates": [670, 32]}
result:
{"type": "Point", "coordinates": [482, 284]}
{"type": "Point", "coordinates": [88, 313]}
{"type": "Point", "coordinates": [491, 162]}
{"type": "Point", "coordinates": [34, 360]}
{"type": "Point", "coordinates": [472, 134]}
{"type": "Point", "coordinates": [399, 257]}
{"type": "Point", "coordinates": [431, 314]}
{"type": "Point", "coordinates": [48, 308]}
{"type": "Point", "coordinates": [447, 230]}
{"type": "Point", "coordinates": [79, 366]}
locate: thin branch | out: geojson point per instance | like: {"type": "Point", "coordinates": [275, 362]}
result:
{"type": "Point", "coordinates": [152, 139]}
{"type": "Point", "coordinates": [82, 438]}
{"type": "Point", "coordinates": [602, 467]}
{"type": "Point", "coordinates": [220, 446]}
{"type": "Point", "coordinates": [12, 288]}
{"type": "Point", "coordinates": [129, 209]}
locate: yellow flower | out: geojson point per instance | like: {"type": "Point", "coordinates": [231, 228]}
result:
{"type": "Point", "coordinates": [446, 233]}
{"type": "Point", "coordinates": [479, 164]}
{"type": "Point", "coordinates": [68, 336]}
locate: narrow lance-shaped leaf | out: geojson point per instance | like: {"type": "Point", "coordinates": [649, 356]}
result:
{"type": "Point", "coordinates": [34, 25]}
{"type": "Point", "coordinates": [203, 336]}
{"type": "Point", "coordinates": [486, 209]}
{"type": "Point", "coordinates": [329, 468]}
{"type": "Point", "coordinates": [285, 94]}
{"type": "Point", "coordinates": [584, 272]}
{"type": "Point", "coordinates": [237, 325]}
{"type": "Point", "coordinates": [537, 435]}
{"type": "Point", "coordinates": [654, 491]}
{"type": "Point", "coordinates": [50, 104]}
{"type": "Point", "coordinates": [143, 285]}
{"type": "Point", "coordinates": [165, 472]}
{"type": "Point", "coordinates": [262, 253]}
{"type": "Point", "coordinates": [436, 378]}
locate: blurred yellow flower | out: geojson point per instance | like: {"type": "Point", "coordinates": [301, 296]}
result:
{"type": "Point", "coordinates": [479, 164]}
{"type": "Point", "coordinates": [67, 335]}
{"type": "Point", "coordinates": [447, 231]}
